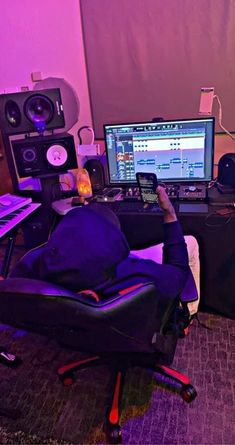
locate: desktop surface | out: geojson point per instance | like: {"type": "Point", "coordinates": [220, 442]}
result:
{"type": "Point", "coordinates": [186, 198]}
{"type": "Point", "coordinates": [134, 206]}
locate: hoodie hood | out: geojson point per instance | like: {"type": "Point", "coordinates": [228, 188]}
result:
{"type": "Point", "coordinates": [84, 249]}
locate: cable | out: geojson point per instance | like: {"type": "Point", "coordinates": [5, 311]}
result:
{"type": "Point", "coordinates": [217, 225]}
{"type": "Point", "coordinates": [212, 183]}
{"type": "Point", "coordinates": [220, 118]}
{"type": "Point", "coordinates": [102, 154]}
{"type": "Point", "coordinates": [86, 127]}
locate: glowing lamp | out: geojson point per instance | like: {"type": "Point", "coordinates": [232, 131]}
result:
{"type": "Point", "coordinates": [83, 183]}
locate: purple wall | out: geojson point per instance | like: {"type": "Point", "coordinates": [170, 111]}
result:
{"type": "Point", "coordinates": [43, 36]}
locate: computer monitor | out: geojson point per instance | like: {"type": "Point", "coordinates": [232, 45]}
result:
{"type": "Point", "coordinates": [178, 151]}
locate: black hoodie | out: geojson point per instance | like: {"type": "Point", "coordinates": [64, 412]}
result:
{"type": "Point", "coordinates": [88, 250]}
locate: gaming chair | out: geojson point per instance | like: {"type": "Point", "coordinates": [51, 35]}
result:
{"type": "Point", "coordinates": [123, 331]}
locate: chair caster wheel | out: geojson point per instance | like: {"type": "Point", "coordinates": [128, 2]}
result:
{"type": "Point", "coordinates": [114, 434]}
{"type": "Point", "coordinates": [67, 378]}
{"type": "Point", "coordinates": [188, 393]}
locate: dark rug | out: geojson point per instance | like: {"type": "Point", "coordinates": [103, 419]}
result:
{"type": "Point", "coordinates": [152, 412]}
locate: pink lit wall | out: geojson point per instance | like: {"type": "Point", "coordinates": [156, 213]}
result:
{"type": "Point", "coordinates": [150, 58]}
{"type": "Point", "coordinates": [43, 36]}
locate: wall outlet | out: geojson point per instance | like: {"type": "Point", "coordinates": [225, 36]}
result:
{"type": "Point", "coordinates": [89, 150]}
{"type": "Point", "coordinates": [206, 100]}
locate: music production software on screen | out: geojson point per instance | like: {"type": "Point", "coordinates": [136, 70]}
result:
{"type": "Point", "coordinates": [174, 150]}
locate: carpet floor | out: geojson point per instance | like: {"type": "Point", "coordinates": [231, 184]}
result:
{"type": "Point", "coordinates": [152, 413]}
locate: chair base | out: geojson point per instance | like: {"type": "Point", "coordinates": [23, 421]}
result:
{"type": "Point", "coordinates": [119, 365]}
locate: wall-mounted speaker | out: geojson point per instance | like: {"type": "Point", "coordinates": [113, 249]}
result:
{"type": "Point", "coordinates": [96, 173]}
{"type": "Point", "coordinates": [42, 156]}
{"type": "Point", "coordinates": [226, 170]}
{"type": "Point", "coordinates": [31, 111]}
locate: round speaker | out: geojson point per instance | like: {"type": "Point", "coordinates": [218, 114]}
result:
{"type": "Point", "coordinates": [39, 108]}
{"type": "Point", "coordinates": [56, 155]}
{"type": "Point", "coordinates": [226, 170]}
{"type": "Point", "coordinates": [96, 174]}
{"type": "Point", "coordinates": [29, 154]}
{"type": "Point", "coordinates": [71, 105]}
{"type": "Point", "coordinates": [12, 113]}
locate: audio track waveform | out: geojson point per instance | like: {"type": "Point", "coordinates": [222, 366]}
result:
{"type": "Point", "coordinates": [167, 165]}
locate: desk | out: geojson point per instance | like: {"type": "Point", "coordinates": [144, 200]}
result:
{"type": "Point", "coordinates": [216, 238]}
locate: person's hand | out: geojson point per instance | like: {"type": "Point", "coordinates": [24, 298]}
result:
{"type": "Point", "coordinates": [165, 204]}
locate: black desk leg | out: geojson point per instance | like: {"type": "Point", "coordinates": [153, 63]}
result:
{"type": "Point", "coordinates": [7, 255]}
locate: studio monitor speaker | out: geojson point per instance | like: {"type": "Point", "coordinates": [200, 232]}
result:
{"type": "Point", "coordinates": [31, 111]}
{"type": "Point", "coordinates": [44, 155]}
{"type": "Point", "coordinates": [96, 173]}
{"type": "Point", "coordinates": [226, 170]}
{"type": "Point", "coordinates": [70, 101]}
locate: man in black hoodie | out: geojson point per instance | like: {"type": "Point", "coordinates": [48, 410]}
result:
{"type": "Point", "coordinates": [88, 250]}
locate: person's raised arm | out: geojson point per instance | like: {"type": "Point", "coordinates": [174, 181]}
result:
{"type": "Point", "coordinates": [174, 249]}
{"type": "Point", "coordinates": [165, 204]}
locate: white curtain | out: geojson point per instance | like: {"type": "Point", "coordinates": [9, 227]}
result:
{"type": "Point", "coordinates": [150, 58]}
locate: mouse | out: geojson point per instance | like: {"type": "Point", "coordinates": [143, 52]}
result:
{"type": "Point", "coordinates": [5, 202]}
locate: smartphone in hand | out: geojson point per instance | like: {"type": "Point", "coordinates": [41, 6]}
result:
{"type": "Point", "coordinates": [147, 183]}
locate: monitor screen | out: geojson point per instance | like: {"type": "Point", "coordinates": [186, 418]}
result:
{"type": "Point", "coordinates": [177, 150]}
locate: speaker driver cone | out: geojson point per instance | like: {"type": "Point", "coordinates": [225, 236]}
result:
{"type": "Point", "coordinates": [57, 155]}
{"type": "Point", "coordinates": [12, 113]}
{"type": "Point", "coordinates": [29, 154]}
{"type": "Point", "coordinates": [39, 108]}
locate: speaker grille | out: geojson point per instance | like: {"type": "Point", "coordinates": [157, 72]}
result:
{"type": "Point", "coordinates": [39, 108]}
